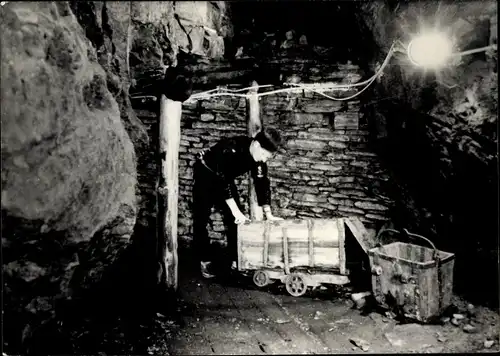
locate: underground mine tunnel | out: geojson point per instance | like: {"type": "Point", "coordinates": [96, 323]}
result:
{"type": "Point", "coordinates": [385, 177]}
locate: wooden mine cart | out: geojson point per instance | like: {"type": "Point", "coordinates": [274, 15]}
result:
{"type": "Point", "coordinates": [299, 253]}
{"type": "Point", "coordinates": [417, 281]}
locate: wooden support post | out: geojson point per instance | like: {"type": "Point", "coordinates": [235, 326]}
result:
{"type": "Point", "coordinates": [169, 132]}
{"type": "Point", "coordinates": [254, 126]}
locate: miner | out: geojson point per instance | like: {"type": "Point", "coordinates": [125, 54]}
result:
{"type": "Point", "coordinates": [214, 172]}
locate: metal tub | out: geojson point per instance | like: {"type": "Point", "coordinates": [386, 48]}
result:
{"type": "Point", "coordinates": [417, 281]}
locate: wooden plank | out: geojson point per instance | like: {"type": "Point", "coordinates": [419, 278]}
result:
{"type": "Point", "coordinates": [297, 231]}
{"type": "Point", "coordinates": [170, 116]}
{"type": "Point", "coordinates": [327, 257]}
{"type": "Point", "coordinates": [239, 243]}
{"type": "Point", "coordinates": [325, 230]}
{"type": "Point", "coordinates": [250, 228]}
{"type": "Point", "coordinates": [302, 241]}
{"type": "Point", "coordinates": [299, 245]}
{"type": "Point", "coordinates": [311, 242]}
{"type": "Point", "coordinates": [322, 256]}
{"type": "Point", "coordinates": [328, 278]}
{"type": "Point", "coordinates": [252, 255]}
{"type": "Point", "coordinates": [342, 262]}
{"type": "Point", "coordinates": [285, 251]}
{"type": "Point", "coordinates": [276, 258]}
{"type": "Point", "coordinates": [266, 246]}
{"type": "Point", "coordinates": [365, 238]}
{"type": "Point", "coordinates": [254, 126]}
{"type": "Point", "coordinates": [253, 109]}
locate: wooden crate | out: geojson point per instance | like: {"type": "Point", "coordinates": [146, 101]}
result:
{"type": "Point", "coordinates": [291, 244]}
{"type": "Point", "coordinates": [416, 280]}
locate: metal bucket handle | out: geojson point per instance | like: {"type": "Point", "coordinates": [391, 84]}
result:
{"type": "Point", "coordinates": [436, 253]}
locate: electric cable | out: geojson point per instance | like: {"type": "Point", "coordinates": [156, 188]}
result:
{"type": "Point", "coordinates": [295, 88]}
{"type": "Point", "coordinates": [317, 88]}
{"type": "Point", "coordinates": [301, 87]}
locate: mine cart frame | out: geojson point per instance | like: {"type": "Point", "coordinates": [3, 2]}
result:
{"type": "Point", "coordinates": [298, 280]}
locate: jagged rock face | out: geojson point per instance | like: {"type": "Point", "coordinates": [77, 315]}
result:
{"type": "Point", "coordinates": [70, 144]}
{"type": "Point", "coordinates": [438, 133]}
{"type": "Point", "coordinates": [135, 43]}
{"type": "Point", "coordinates": [68, 165]}
{"type": "Point", "coordinates": [67, 161]}
{"type": "Point", "coordinates": [163, 29]}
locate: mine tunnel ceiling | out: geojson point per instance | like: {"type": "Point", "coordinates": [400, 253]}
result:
{"type": "Point", "coordinates": [324, 23]}
{"type": "Point", "coordinates": [333, 31]}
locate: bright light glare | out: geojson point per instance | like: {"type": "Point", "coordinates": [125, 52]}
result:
{"type": "Point", "coordinates": [430, 50]}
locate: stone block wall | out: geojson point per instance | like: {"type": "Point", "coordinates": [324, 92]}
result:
{"type": "Point", "coordinates": [203, 124]}
{"type": "Point", "coordinates": [328, 170]}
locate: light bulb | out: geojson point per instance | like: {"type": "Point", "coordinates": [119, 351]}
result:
{"type": "Point", "coordinates": [430, 50]}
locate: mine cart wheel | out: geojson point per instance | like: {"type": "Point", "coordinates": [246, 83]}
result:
{"type": "Point", "coordinates": [261, 278]}
{"type": "Point", "coordinates": [295, 284]}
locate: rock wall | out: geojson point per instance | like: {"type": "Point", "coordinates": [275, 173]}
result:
{"type": "Point", "coordinates": [328, 170]}
{"type": "Point", "coordinates": [71, 148]}
{"type": "Point", "coordinates": [437, 134]}
{"type": "Point", "coordinates": [137, 42]}
{"type": "Point", "coordinates": [147, 171]}
{"type": "Point", "coordinates": [161, 31]}
{"type": "Point", "coordinates": [68, 165]}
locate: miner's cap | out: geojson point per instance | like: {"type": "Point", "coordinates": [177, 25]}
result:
{"type": "Point", "coordinates": [270, 139]}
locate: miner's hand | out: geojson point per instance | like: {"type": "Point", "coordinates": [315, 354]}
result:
{"type": "Point", "coordinates": [240, 218]}
{"type": "Point", "coordinates": [271, 217]}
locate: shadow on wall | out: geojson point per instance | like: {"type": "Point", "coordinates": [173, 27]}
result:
{"type": "Point", "coordinates": [444, 193]}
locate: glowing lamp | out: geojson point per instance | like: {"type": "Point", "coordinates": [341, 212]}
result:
{"type": "Point", "coordinates": [430, 50]}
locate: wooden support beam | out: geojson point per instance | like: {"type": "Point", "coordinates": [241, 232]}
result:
{"type": "Point", "coordinates": [169, 132]}
{"type": "Point", "coordinates": [366, 238]}
{"type": "Point", "coordinates": [254, 126]}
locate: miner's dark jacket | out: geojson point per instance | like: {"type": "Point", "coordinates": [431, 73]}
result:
{"type": "Point", "coordinates": [231, 158]}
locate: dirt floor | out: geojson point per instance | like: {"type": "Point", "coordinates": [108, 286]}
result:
{"type": "Point", "coordinates": [232, 316]}
{"type": "Point", "coordinates": [221, 317]}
